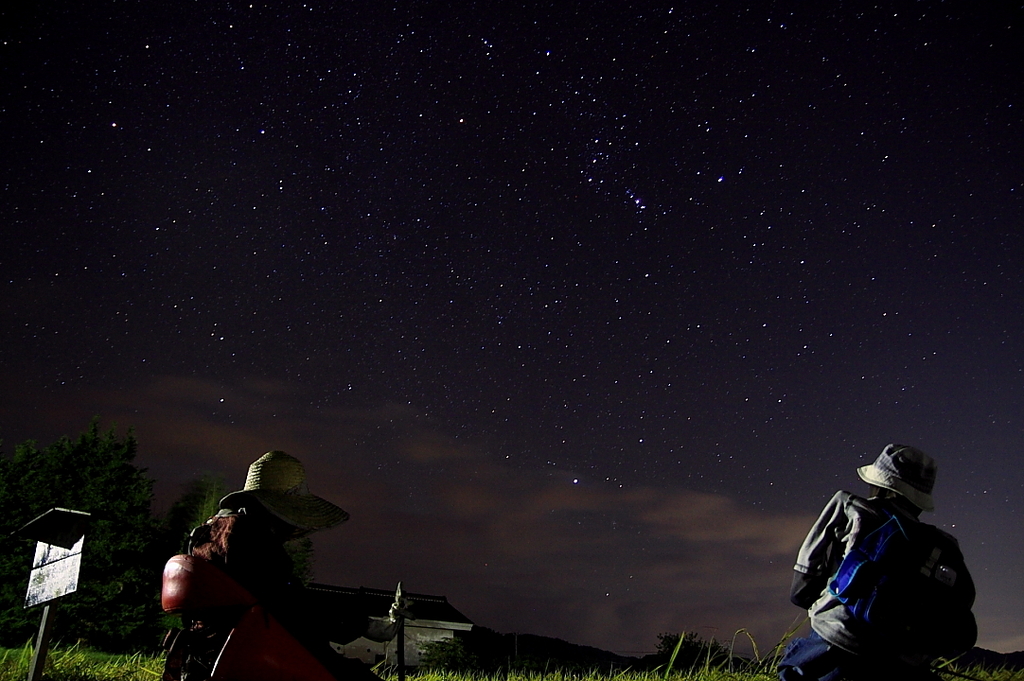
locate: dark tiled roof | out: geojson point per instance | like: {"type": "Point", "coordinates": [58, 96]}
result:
{"type": "Point", "coordinates": [378, 601]}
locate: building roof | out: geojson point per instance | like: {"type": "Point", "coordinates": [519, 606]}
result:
{"type": "Point", "coordinates": [377, 602]}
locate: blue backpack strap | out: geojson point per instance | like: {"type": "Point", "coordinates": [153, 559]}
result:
{"type": "Point", "coordinates": [908, 582]}
{"type": "Point", "coordinates": [863, 566]}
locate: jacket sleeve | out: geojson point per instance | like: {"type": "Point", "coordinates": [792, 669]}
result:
{"type": "Point", "coordinates": [806, 589]}
{"type": "Point", "coordinates": [819, 555]}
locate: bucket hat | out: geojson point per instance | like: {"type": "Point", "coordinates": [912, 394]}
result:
{"type": "Point", "coordinates": [278, 481]}
{"type": "Point", "coordinates": [904, 470]}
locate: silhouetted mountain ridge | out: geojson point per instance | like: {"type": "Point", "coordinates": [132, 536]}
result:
{"type": "Point", "coordinates": [531, 651]}
{"type": "Point", "coordinates": [992, 659]}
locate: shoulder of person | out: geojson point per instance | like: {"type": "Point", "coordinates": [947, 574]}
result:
{"type": "Point", "coordinates": [844, 498]}
{"type": "Point", "coordinates": [875, 506]}
{"type": "Point", "coordinates": [861, 512]}
{"type": "Point", "coordinates": [943, 534]}
{"type": "Point", "coordinates": [842, 510]}
{"type": "Point", "coordinates": [851, 503]}
{"type": "Point", "coordinates": [948, 536]}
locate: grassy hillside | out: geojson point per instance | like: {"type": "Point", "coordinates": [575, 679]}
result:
{"type": "Point", "coordinates": [77, 664]}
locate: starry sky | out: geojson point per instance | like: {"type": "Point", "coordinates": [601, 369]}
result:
{"type": "Point", "coordinates": [582, 310]}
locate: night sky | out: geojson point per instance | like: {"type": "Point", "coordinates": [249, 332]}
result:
{"type": "Point", "coordinates": [582, 310]}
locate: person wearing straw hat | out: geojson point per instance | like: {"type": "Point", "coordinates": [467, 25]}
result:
{"type": "Point", "coordinates": [278, 482]}
{"type": "Point", "coordinates": [246, 539]}
{"type": "Point", "coordinates": [843, 644]}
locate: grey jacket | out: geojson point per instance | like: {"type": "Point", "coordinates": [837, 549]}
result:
{"type": "Point", "coordinates": [832, 535]}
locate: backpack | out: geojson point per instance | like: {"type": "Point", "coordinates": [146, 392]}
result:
{"type": "Point", "coordinates": [908, 582]}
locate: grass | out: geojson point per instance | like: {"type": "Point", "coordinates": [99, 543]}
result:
{"type": "Point", "coordinates": [80, 664]}
{"type": "Point", "coordinates": [696, 675]}
{"type": "Point", "coordinates": [75, 663]}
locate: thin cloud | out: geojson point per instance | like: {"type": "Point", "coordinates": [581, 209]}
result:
{"type": "Point", "coordinates": [517, 550]}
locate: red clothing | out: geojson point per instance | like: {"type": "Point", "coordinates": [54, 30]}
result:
{"type": "Point", "coordinates": [244, 546]}
{"type": "Point", "coordinates": [245, 549]}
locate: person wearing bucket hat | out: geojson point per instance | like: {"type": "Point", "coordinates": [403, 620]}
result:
{"type": "Point", "coordinates": [846, 643]}
{"type": "Point", "coordinates": [247, 539]}
{"type": "Point", "coordinates": [906, 473]}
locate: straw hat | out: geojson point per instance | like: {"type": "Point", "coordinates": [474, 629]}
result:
{"type": "Point", "coordinates": [904, 470]}
{"type": "Point", "coordinates": [278, 481]}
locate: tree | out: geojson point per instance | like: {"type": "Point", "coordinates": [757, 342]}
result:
{"type": "Point", "coordinates": [451, 655]}
{"type": "Point", "coordinates": [689, 651]}
{"type": "Point", "coordinates": [116, 606]}
{"type": "Point", "coordinates": [199, 500]}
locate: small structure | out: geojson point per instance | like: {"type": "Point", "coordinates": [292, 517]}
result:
{"type": "Point", "coordinates": [60, 535]}
{"type": "Point", "coordinates": [436, 620]}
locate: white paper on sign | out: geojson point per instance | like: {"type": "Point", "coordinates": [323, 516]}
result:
{"type": "Point", "coordinates": [54, 572]}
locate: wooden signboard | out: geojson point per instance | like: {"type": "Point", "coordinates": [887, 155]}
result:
{"type": "Point", "coordinates": [58, 560]}
{"type": "Point", "coordinates": [54, 573]}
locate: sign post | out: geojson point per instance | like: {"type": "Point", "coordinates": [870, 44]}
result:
{"type": "Point", "coordinates": [35, 667]}
{"type": "Point", "coordinates": [401, 649]}
{"type": "Point", "coordinates": [60, 533]}
{"type": "Point", "coordinates": [398, 613]}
